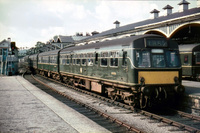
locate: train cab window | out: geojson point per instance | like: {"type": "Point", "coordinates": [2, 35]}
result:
{"type": "Point", "coordinates": [114, 59]}
{"type": "Point", "coordinates": [185, 59]}
{"type": "Point", "coordinates": [158, 59]}
{"type": "Point", "coordinates": [90, 59]}
{"type": "Point", "coordinates": [104, 58]}
{"type": "Point", "coordinates": [197, 58]}
{"type": "Point", "coordinates": [142, 58]}
{"type": "Point", "coordinates": [172, 59]}
{"type": "Point", "coordinates": [124, 60]}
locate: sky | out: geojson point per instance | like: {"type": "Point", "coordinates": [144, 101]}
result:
{"type": "Point", "coordinates": [28, 21]}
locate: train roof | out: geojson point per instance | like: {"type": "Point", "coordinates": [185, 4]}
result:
{"type": "Point", "coordinates": [115, 42]}
{"type": "Point", "coordinates": [53, 52]}
{"type": "Point", "coordinates": [33, 55]}
{"type": "Point", "coordinates": [189, 47]}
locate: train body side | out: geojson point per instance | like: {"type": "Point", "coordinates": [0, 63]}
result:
{"type": "Point", "coordinates": [190, 60]}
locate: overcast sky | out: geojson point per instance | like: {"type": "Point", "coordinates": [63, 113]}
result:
{"type": "Point", "coordinates": [29, 21]}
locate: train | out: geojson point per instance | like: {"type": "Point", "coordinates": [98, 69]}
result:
{"type": "Point", "coordinates": [141, 71]}
{"type": "Point", "coordinates": [190, 60]}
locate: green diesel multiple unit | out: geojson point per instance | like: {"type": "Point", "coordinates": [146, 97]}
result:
{"type": "Point", "coordinates": [139, 70]}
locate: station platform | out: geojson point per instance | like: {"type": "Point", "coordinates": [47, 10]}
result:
{"type": "Point", "coordinates": [192, 93]}
{"type": "Point", "coordinates": [25, 108]}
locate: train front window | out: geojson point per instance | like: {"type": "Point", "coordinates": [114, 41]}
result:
{"type": "Point", "coordinates": [142, 58]}
{"type": "Point", "coordinates": [172, 59]}
{"type": "Point", "coordinates": [157, 58]}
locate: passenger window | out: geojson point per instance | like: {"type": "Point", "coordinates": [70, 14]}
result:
{"type": "Point", "coordinates": [63, 60]}
{"type": "Point", "coordinates": [197, 55]}
{"type": "Point", "coordinates": [71, 59]}
{"type": "Point", "coordinates": [124, 60]}
{"type": "Point", "coordinates": [84, 56]}
{"type": "Point", "coordinates": [78, 60]}
{"type": "Point", "coordinates": [114, 59]}
{"type": "Point", "coordinates": [104, 59]}
{"type": "Point", "coordinates": [68, 59]}
{"type": "Point", "coordinates": [90, 59]}
{"type": "Point", "coordinates": [185, 59]}
{"type": "Point", "coordinates": [74, 59]}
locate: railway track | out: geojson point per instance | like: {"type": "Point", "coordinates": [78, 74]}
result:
{"type": "Point", "coordinates": [183, 121]}
{"type": "Point", "coordinates": [106, 121]}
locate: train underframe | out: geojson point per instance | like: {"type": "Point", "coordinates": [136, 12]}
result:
{"type": "Point", "coordinates": [142, 96]}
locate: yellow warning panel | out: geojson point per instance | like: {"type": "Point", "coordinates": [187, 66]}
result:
{"type": "Point", "coordinates": [158, 77]}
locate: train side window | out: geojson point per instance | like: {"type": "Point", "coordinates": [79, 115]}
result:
{"type": "Point", "coordinates": [104, 58]}
{"type": "Point", "coordinates": [96, 58]}
{"type": "Point", "coordinates": [90, 59]}
{"type": "Point", "coordinates": [185, 59]}
{"type": "Point", "coordinates": [71, 59]}
{"type": "Point", "coordinates": [142, 58]}
{"type": "Point", "coordinates": [197, 56]}
{"type": "Point", "coordinates": [78, 60]}
{"type": "Point", "coordinates": [84, 56]}
{"type": "Point", "coordinates": [74, 59]}
{"type": "Point", "coordinates": [124, 59]}
{"type": "Point", "coordinates": [62, 60]}
{"type": "Point", "coordinates": [114, 59]}
{"type": "Point", "coordinates": [67, 60]}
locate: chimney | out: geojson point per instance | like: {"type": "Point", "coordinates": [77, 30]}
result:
{"type": "Point", "coordinates": [183, 5]}
{"type": "Point", "coordinates": [94, 33]}
{"type": "Point", "coordinates": [117, 24]}
{"type": "Point", "coordinates": [9, 39]}
{"type": "Point", "coordinates": [155, 12]}
{"type": "Point", "coordinates": [168, 9]}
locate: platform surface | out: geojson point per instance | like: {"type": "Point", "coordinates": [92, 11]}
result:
{"type": "Point", "coordinates": [192, 88]}
{"type": "Point", "coordinates": [25, 108]}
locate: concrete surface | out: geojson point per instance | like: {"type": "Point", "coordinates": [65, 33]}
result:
{"type": "Point", "coordinates": [192, 91]}
{"type": "Point", "coordinates": [25, 108]}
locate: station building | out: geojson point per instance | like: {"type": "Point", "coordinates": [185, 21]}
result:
{"type": "Point", "coordinates": [8, 58]}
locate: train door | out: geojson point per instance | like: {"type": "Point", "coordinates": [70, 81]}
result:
{"type": "Point", "coordinates": [186, 64]}
{"type": "Point", "coordinates": [125, 65]}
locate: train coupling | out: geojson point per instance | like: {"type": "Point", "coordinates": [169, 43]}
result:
{"type": "Point", "coordinates": [180, 89]}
